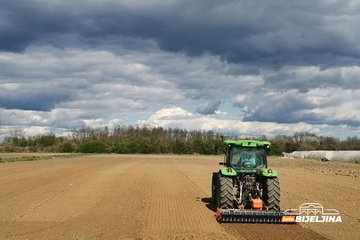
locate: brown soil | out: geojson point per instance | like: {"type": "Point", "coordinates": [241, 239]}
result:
{"type": "Point", "coordinates": [19, 155]}
{"type": "Point", "coordinates": [161, 197]}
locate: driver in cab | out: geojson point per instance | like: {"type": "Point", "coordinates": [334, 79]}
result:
{"type": "Point", "coordinates": [247, 160]}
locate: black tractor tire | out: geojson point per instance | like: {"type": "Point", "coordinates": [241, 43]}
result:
{"type": "Point", "coordinates": [214, 186]}
{"type": "Point", "coordinates": [272, 194]}
{"type": "Point", "coordinates": [224, 192]}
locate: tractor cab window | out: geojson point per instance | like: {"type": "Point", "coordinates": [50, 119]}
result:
{"type": "Point", "coordinates": [241, 157]}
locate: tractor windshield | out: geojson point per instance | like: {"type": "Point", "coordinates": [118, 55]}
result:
{"type": "Point", "coordinates": [241, 157]}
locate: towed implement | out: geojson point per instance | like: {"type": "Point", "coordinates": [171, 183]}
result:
{"type": "Point", "coordinates": [245, 189]}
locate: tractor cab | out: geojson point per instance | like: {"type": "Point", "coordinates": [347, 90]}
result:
{"type": "Point", "coordinates": [246, 154]}
{"type": "Point", "coordinates": [243, 157]}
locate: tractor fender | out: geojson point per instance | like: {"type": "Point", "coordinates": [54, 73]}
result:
{"type": "Point", "coordinates": [228, 171]}
{"type": "Point", "coordinates": [269, 173]}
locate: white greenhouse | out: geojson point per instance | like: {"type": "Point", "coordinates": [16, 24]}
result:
{"type": "Point", "coordinates": [347, 156]}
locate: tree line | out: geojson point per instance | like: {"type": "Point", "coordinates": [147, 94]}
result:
{"type": "Point", "coordinates": [157, 140]}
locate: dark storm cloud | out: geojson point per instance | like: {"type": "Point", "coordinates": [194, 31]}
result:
{"type": "Point", "coordinates": [285, 115]}
{"type": "Point", "coordinates": [269, 33]}
{"type": "Point", "coordinates": [210, 108]}
{"type": "Point", "coordinates": [15, 42]}
{"type": "Point", "coordinates": [26, 100]}
{"type": "Point", "coordinates": [332, 106]}
{"type": "Point", "coordinates": [281, 108]}
{"type": "Point", "coordinates": [302, 79]}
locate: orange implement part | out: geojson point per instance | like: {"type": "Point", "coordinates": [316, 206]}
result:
{"type": "Point", "coordinates": [256, 204]}
{"type": "Point", "coordinates": [218, 214]}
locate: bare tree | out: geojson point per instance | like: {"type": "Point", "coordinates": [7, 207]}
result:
{"type": "Point", "coordinates": [17, 132]}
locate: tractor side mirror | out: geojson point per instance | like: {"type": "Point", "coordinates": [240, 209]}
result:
{"type": "Point", "coordinates": [267, 149]}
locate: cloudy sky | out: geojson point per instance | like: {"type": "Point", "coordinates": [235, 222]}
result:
{"type": "Point", "coordinates": [241, 67]}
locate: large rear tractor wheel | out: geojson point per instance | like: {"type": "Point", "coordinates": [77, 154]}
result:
{"type": "Point", "coordinates": [213, 186]}
{"type": "Point", "coordinates": [272, 194]}
{"type": "Point", "coordinates": [224, 193]}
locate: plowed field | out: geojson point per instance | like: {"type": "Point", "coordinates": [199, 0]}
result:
{"type": "Point", "coordinates": [161, 197]}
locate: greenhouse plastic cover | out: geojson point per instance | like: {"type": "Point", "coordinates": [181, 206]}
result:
{"type": "Point", "coordinates": [347, 156]}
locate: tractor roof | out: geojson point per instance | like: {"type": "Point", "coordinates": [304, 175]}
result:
{"type": "Point", "coordinates": [248, 143]}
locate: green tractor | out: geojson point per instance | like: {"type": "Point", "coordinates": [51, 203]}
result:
{"type": "Point", "coordinates": [245, 189]}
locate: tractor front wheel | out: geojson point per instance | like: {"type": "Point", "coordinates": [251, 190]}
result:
{"type": "Point", "coordinates": [224, 192]}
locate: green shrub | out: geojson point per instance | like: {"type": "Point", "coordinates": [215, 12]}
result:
{"type": "Point", "coordinates": [67, 147]}
{"type": "Point", "coordinates": [94, 146]}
